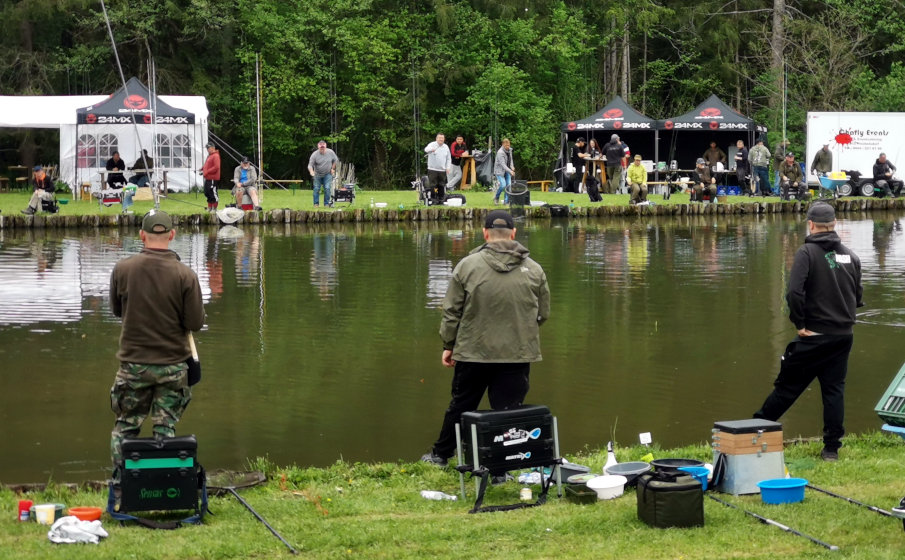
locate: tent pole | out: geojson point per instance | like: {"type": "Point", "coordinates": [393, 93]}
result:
{"type": "Point", "coordinates": [656, 151]}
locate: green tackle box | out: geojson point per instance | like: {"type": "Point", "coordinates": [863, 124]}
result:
{"type": "Point", "coordinates": [891, 407]}
{"type": "Point", "coordinates": [160, 474]}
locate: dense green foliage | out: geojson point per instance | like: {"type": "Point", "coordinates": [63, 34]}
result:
{"type": "Point", "coordinates": [380, 78]}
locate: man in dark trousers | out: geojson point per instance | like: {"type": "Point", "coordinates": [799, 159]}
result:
{"type": "Point", "coordinates": [578, 155]}
{"type": "Point", "coordinates": [883, 171]}
{"type": "Point", "coordinates": [824, 292]}
{"type": "Point", "coordinates": [159, 301]}
{"type": "Point", "coordinates": [494, 306]}
{"type": "Point", "coordinates": [614, 151]}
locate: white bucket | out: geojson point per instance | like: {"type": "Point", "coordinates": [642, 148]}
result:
{"type": "Point", "coordinates": [608, 486]}
{"type": "Point", "coordinates": [45, 513]}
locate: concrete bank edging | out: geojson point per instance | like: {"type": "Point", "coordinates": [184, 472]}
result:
{"type": "Point", "coordinates": [364, 215]}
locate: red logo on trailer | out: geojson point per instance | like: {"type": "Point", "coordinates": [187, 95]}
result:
{"type": "Point", "coordinates": [135, 102]}
{"type": "Point", "coordinates": [90, 118]}
{"type": "Point", "coordinates": [668, 125]}
{"type": "Point", "coordinates": [714, 125]}
{"type": "Point", "coordinates": [843, 138]}
{"type": "Point", "coordinates": [711, 112]}
{"type": "Point", "coordinates": [613, 114]}
{"type": "Point", "coordinates": [571, 126]}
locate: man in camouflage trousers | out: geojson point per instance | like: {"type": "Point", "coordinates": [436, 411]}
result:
{"type": "Point", "coordinates": [159, 300]}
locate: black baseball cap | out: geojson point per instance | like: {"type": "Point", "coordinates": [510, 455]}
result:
{"type": "Point", "coordinates": [245, 160]}
{"type": "Point", "coordinates": [156, 221]}
{"type": "Point", "coordinates": [821, 213]}
{"type": "Point", "coordinates": [499, 219]}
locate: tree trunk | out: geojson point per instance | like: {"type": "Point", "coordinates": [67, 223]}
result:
{"type": "Point", "coordinates": [626, 66]}
{"type": "Point", "coordinates": [777, 44]}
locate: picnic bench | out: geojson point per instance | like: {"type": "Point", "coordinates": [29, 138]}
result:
{"type": "Point", "coordinates": [544, 184]}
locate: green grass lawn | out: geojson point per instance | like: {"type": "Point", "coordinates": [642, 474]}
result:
{"type": "Point", "coordinates": [194, 203]}
{"type": "Point", "coordinates": [376, 511]}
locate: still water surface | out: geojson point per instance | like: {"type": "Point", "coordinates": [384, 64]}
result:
{"type": "Point", "coordinates": [321, 342]}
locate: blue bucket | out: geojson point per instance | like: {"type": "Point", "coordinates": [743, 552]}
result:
{"type": "Point", "coordinates": [782, 490]}
{"type": "Point", "coordinates": [699, 473]}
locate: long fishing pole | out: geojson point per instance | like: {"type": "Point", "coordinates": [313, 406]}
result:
{"type": "Point", "coordinates": [261, 519]}
{"type": "Point", "coordinates": [875, 509]}
{"type": "Point", "coordinates": [768, 521]}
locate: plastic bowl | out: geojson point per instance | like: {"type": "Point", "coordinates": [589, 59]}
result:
{"type": "Point", "coordinates": [57, 511]}
{"type": "Point", "coordinates": [608, 486]}
{"type": "Point", "coordinates": [671, 466]}
{"type": "Point", "coordinates": [782, 490]}
{"type": "Point", "coordinates": [63, 201]}
{"type": "Point", "coordinates": [86, 513]}
{"type": "Point", "coordinates": [631, 471]}
{"type": "Point", "coordinates": [699, 473]}
{"type": "Point", "coordinates": [380, 204]}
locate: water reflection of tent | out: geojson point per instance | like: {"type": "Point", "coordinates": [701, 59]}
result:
{"type": "Point", "coordinates": [638, 131]}
{"type": "Point", "coordinates": [711, 121]}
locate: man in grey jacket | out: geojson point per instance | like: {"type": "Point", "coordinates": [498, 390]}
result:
{"type": "Point", "coordinates": [494, 306]}
{"type": "Point", "coordinates": [245, 178]}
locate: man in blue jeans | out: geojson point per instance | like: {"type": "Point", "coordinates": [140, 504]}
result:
{"type": "Point", "coordinates": [322, 167]}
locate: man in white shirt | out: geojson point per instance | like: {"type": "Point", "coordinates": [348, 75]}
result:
{"type": "Point", "coordinates": [439, 164]}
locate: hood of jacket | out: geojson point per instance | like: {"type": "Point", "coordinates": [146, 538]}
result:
{"type": "Point", "coordinates": [826, 240]}
{"type": "Point", "coordinates": [502, 256]}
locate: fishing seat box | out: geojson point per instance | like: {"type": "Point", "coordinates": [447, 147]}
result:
{"type": "Point", "coordinates": [670, 501]}
{"type": "Point", "coordinates": [518, 438]}
{"type": "Point", "coordinates": [753, 452]}
{"type": "Point", "coordinates": [160, 475]}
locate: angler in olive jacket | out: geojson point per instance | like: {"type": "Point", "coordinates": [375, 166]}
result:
{"type": "Point", "coordinates": [496, 301]}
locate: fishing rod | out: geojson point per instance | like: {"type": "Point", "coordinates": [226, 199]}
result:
{"type": "Point", "coordinates": [768, 521]}
{"type": "Point", "coordinates": [261, 519]}
{"type": "Point", "coordinates": [875, 509]}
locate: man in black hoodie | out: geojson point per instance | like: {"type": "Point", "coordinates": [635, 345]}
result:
{"type": "Point", "coordinates": [824, 291]}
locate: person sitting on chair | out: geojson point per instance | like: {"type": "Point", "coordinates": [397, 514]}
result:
{"type": "Point", "coordinates": [791, 177]}
{"type": "Point", "coordinates": [883, 170]}
{"type": "Point", "coordinates": [637, 180]}
{"type": "Point", "coordinates": [115, 168]}
{"type": "Point", "coordinates": [704, 182]}
{"type": "Point", "coordinates": [43, 190]}
{"type": "Point", "coordinates": [246, 178]}
{"type": "Point", "coordinates": [141, 166]}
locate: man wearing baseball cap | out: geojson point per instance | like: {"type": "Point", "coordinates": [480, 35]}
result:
{"type": "Point", "coordinates": [494, 306]}
{"type": "Point", "coordinates": [824, 292]}
{"type": "Point", "coordinates": [791, 177]}
{"type": "Point", "coordinates": [322, 167]}
{"type": "Point", "coordinates": [159, 301]}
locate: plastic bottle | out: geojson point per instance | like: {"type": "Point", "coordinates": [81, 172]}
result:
{"type": "Point", "coordinates": [610, 457]}
{"type": "Point", "coordinates": [372, 202]}
{"type": "Point", "coordinates": [437, 495]}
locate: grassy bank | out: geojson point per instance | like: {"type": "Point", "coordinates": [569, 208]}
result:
{"type": "Point", "coordinates": [375, 511]}
{"type": "Point", "coordinates": [402, 206]}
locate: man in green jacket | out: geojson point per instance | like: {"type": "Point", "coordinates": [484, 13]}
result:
{"type": "Point", "coordinates": [496, 301]}
{"type": "Point", "coordinates": [823, 161]}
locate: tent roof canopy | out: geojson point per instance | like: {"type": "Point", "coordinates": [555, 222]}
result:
{"type": "Point", "coordinates": [133, 103]}
{"type": "Point", "coordinates": [713, 114]}
{"type": "Point", "coordinates": [615, 115]}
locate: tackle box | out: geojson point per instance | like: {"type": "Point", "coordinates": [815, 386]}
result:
{"type": "Point", "coordinates": [511, 439]}
{"type": "Point", "coordinates": [741, 437]}
{"type": "Point", "coordinates": [160, 474]}
{"type": "Point", "coordinates": [891, 407]}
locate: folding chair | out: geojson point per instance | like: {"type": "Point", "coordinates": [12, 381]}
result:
{"type": "Point", "coordinates": [502, 440]}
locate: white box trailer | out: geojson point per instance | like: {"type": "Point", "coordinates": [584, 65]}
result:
{"type": "Point", "coordinates": [856, 140]}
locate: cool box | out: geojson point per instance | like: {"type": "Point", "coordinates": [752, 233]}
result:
{"type": "Point", "coordinates": [161, 475]}
{"type": "Point", "coordinates": [510, 439]}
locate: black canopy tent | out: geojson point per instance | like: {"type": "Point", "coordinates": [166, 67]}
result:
{"type": "Point", "coordinates": [711, 121]}
{"type": "Point", "coordinates": [131, 119]}
{"type": "Point", "coordinates": [638, 131]}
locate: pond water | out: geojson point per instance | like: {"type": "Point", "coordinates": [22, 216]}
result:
{"type": "Point", "coordinates": [322, 343]}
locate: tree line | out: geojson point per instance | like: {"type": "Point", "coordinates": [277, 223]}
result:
{"type": "Point", "coordinates": [378, 78]}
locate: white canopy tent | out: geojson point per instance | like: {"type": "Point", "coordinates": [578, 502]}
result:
{"type": "Point", "coordinates": [86, 146]}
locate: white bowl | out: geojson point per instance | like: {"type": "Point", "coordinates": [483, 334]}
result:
{"type": "Point", "coordinates": [380, 204]}
{"type": "Point", "coordinates": [608, 486]}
